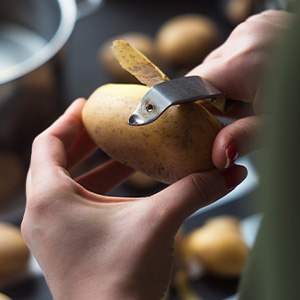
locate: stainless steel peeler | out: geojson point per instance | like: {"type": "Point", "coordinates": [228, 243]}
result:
{"type": "Point", "coordinates": [177, 91]}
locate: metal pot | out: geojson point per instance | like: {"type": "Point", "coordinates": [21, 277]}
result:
{"type": "Point", "coordinates": [33, 34]}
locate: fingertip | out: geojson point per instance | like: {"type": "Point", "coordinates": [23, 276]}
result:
{"type": "Point", "coordinates": [225, 155]}
{"type": "Point", "coordinates": [220, 156]}
{"type": "Point", "coordinates": [75, 105]}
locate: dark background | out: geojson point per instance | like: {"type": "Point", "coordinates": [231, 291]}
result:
{"type": "Point", "coordinates": [117, 17]}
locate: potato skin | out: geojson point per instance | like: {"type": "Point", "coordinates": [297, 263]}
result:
{"type": "Point", "coordinates": [107, 60]}
{"type": "Point", "coordinates": [175, 145]}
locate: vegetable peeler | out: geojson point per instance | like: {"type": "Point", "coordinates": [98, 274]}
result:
{"type": "Point", "coordinates": [177, 91]}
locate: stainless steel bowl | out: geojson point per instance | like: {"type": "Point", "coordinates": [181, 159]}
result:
{"type": "Point", "coordinates": [34, 31]}
{"type": "Point", "coordinates": [33, 34]}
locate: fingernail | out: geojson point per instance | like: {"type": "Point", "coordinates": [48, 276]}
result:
{"type": "Point", "coordinates": [234, 175]}
{"type": "Point", "coordinates": [231, 154]}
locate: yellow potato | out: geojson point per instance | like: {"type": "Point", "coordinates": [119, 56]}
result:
{"type": "Point", "coordinates": [177, 144]}
{"type": "Point", "coordinates": [4, 297]}
{"type": "Point", "coordinates": [218, 247]}
{"type": "Point", "coordinates": [237, 11]}
{"type": "Point", "coordinates": [224, 223]}
{"type": "Point", "coordinates": [186, 39]}
{"type": "Point", "coordinates": [140, 181]}
{"type": "Point", "coordinates": [141, 41]}
{"type": "Point", "coordinates": [14, 253]}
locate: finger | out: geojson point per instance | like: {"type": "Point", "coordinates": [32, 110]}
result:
{"type": "Point", "coordinates": [80, 150]}
{"type": "Point", "coordinates": [198, 190]}
{"type": "Point", "coordinates": [49, 148]}
{"type": "Point", "coordinates": [68, 127]}
{"type": "Point", "coordinates": [226, 74]}
{"type": "Point", "coordinates": [105, 178]}
{"type": "Point", "coordinates": [237, 139]}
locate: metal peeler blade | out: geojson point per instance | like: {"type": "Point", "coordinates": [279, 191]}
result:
{"type": "Point", "coordinates": [176, 91]}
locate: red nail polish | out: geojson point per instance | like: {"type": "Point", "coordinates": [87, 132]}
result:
{"type": "Point", "coordinates": [233, 176]}
{"type": "Point", "coordinates": [231, 154]}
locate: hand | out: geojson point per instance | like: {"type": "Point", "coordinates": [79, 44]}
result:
{"type": "Point", "coordinates": [91, 246]}
{"type": "Point", "coordinates": [235, 68]}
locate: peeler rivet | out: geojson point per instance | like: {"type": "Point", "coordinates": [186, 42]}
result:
{"type": "Point", "coordinates": [149, 108]}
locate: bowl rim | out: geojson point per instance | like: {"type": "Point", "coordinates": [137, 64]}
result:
{"type": "Point", "coordinates": [68, 13]}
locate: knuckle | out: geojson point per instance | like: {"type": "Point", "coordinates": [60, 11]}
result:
{"type": "Point", "coordinates": [24, 230]}
{"type": "Point", "coordinates": [47, 197]}
{"type": "Point", "coordinates": [39, 139]}
{"type": "Point", "coordinates": [35, 214]}
{"type": "Point", "coordinates": [248, 134]}
{"type": "Point", "coordinates": [38, 201]}
{"type": "Point", "coordinates": [27, 231]}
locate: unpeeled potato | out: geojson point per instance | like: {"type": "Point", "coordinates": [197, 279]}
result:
{"type": "Point", "coordinates": [218, 247]}
{"type": "Point", "coordinates": [14, 253]}
{"type": "Point", "coordinates": [140, 181]}
{"type": "Point", "coordinates": [237, 11]}
{"type": "Point", "coordinates": [186, 39]}
{"type": "Point", "coordinates": [175, 145]}
{"type": "Point", "coordinates": [4, 297]}
{"type": "Point", "coordinates": [224, 224]}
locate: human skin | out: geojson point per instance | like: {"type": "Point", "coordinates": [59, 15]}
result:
{"type": "Point", "coordinates": [236, 68]}
{"type": "Point", "coordinates": [91, 246]}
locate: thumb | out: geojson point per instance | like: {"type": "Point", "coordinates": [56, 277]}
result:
{"type": "Point", "coordinates": [186, 196]}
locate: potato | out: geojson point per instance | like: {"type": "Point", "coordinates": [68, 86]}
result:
{"type": "Point", "coordinates": [218, 247]}
{"type": "Point", "coordinates": [175, 145]}
{"type": "Point", "coordinates": [141, 41]}
{"type": "Point", "coordinates": [186, 39]}
{"type": "Point", "coordinates": [224, 223]}
{"type": "Point", "coordinates": [140, 181]}
{"type": "Point", "coordinates": [14, 253]}
{"type": "Point", "coordinates": [4, 297]}
{"type": "Point", "coordinates": [237, 11]}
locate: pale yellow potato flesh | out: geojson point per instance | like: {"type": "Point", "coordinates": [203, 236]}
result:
{"type": "Point", "coordinates": [175, 145]}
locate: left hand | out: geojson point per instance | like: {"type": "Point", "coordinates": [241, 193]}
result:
{"type": "Point", "coordinates": [91, 246]}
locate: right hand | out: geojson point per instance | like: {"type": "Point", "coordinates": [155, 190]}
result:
{"type": "Point", "coordinates": [235, 68]}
